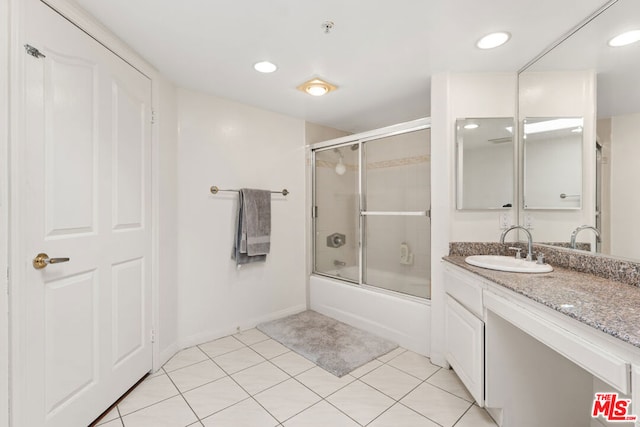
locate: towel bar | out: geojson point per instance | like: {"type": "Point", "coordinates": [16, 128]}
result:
{"type": "Point", "coordinates": [214, 190]}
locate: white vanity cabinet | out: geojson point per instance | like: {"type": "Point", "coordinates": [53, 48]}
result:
{"type": "Point", "coordinates": [464, 330]}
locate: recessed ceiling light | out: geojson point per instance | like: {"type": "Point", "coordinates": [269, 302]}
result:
{"type": "Point", "coordinates": [471, 126]}
{"type": "Point", "coordinates": [493, 40]}
{"type": "Point", "coordinates": [265, 67]}
{"type": "Point", "coordinates": [316, 87]}
{"type": "Point", "coordinates": [625, 38]}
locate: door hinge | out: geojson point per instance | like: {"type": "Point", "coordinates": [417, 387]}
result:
{"type": "Point", "coordinates": [314, 213]}
{"type": "Point", "coordinates": [153, 117]}
{"type": "Point", "coordinates": [33, 51]}
{"type": "Point", "coordinates": [153, 336]}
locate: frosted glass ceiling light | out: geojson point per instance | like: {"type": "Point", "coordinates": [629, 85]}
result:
{"type": "Point", "coordinates": [265, 67]}
{"type": "Point", "coordinates": [625, 38]}
{"type": "Point", "coordinates": [493, 40]}
{"type": "Point", "coordinates": [316, 87]}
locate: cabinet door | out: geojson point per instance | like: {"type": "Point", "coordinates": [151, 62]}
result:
{"type": "Point", "coordinates": [465, 347]}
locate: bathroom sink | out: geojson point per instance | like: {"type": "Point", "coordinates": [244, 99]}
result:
{"type": "Point", "coordinates": [507, 263]}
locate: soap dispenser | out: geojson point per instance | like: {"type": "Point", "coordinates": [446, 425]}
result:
{"type": "Point", "coordinates": [406, 257]}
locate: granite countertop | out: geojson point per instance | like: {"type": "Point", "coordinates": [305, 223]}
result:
{"type": "Point", "coordinates": [610, 306]}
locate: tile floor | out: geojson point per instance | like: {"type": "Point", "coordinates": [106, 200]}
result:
{"type": "Point", "coordinates": [251, 380]}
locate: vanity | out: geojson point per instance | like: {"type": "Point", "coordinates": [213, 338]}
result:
{"type": "Point", "coordinates": [535, 348]}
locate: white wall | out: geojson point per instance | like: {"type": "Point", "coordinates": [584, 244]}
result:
{"type": "Point", "coordinates": [456, 96]}
{"type": "Point", "coordinates": [563, 94]}
{"type": "Point", "coordinates": [625, 176]}
{"type": "Point", "coordinates": [166, 220]}
{"type": "Point", "coordinates": [232, 146]}
{"type": "Point", "coordinates": [4, 225]}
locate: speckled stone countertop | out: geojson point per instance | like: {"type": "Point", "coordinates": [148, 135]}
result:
{"type": "Point", "coordinates": [607, 305]}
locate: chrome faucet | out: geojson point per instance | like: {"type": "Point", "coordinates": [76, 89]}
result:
{"type": "Point", "coordinates": [529, 239]}
{"type": "Point", "coordinates": [579, 229]}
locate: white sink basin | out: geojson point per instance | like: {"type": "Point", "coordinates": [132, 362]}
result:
{"type": "Point", "coordinates": [507, 263]}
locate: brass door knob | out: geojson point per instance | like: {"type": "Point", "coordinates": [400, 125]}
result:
{"type": "Point", "coordinates": [42, 260]}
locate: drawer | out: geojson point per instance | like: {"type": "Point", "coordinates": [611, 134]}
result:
{"type": "Point", "coordinates": [465, 290]}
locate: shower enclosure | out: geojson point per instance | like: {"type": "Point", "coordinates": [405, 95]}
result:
{"type": "Point", "coordinates": [371, 211]}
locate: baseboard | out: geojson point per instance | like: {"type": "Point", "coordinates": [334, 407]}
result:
{"type": "Point", "coordinates": [207, 336]}
{"type": "Point", "coordinates": [165, 355]}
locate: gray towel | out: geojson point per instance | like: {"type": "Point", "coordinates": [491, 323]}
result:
{"type": "Point", "coordinates": [253, 227]}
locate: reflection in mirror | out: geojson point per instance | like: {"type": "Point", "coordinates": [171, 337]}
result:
{"type": "Point", "coordinates": [484, 163]}
{"type": "Point", "coordinates": [552, 163]}
{"type": "Point", "coordinates": [617, 68]}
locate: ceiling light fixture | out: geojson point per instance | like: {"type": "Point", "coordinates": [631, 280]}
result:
{"type": "Point", "coordinates": [265, 67]}
{"type": "Point", "coordinates": [625, 38]}
{"type": "Point", "coordinates": [317, 87]}
{"type": "Point", "coordinates": [493, 40]}
{"type": "Point", "coordinates": [471, 126]}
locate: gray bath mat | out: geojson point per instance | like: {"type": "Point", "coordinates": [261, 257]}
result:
{"type": "Point", "coordinates": [334, 346]}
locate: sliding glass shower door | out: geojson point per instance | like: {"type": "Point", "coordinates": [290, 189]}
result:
{"type": "Point", "coordinates": [371, 212]}
{"type": "Point", "coordinates": [395, 208]}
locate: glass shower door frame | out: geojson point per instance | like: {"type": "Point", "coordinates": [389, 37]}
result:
{"type": "Point", "coordinates": [362, 211]}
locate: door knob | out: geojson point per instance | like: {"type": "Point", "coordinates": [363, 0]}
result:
{"type": "Point", "coordinates": [42, 260]}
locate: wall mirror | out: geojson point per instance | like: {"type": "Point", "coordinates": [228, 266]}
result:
{"type": "Point", "coordinates": [484, 163]}
{"type": "Point", "coordinates": [552, 162]}
{"type": "Point", "coordinates": [611, 172]}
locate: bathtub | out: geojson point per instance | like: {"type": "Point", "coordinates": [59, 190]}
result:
{"type": "Point", "coordinates": [408, 285]}
{"type": "Point", "coordinates": [402, 319]}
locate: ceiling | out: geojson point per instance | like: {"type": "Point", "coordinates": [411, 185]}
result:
{"type": "Point", "coordinates": [618, 69]}
{"type": "Point", "coordinates": [381, 54]}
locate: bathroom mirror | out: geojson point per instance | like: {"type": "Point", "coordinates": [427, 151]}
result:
{"type": "Point", "coordinates": [552, 162]}
{"type": "Point", "coordinates": [610, 166]}
{"type": "Point", "coordinates": [484, 163]}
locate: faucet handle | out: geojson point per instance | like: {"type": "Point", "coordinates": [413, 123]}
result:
{"type": "Point", "coordinates": [540, 258]}
{"type": "Point", "coordinates": [518, 254]}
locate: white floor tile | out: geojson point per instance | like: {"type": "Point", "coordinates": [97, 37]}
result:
{"type": "Point", "coordinates": [244, 414]}
{"type": "Point", "coordinates": [113, 423]}
{"type": "Point", "coordinates": [251, 336]}
{"type": "Point", "coordinates": [361, 402]}
{"type": "Point", "coordinates": [111, 415]}
{"type": "Point", "coordinates": [414, 364]}
{"type": "Point", "coordinates": [391, 381]}
{"type": "Point", "coordinates": [168, 413]}
{"type": "Point", "coordinates": [476, 417]}
{"type": "Point", "coordinates": [184, 358]}
{"type": "Point", "coordinates": [238, 360]}
{"type": "Point", "coordinates": [387, 357]}
{"type": "Point", "coordinates": [215, 396]}
{"type": "Point", "coordinates": [321, 414]}
{"type": "Point", "coordinates": [287, 399]}
{"type": "Point", "coordinates": [322, 382]}
{"type": "Point", "coordinates": [435, 404]}
{"type": "Point", "coordinates": [196, 375]}
{"type": "Point", "coordinates": [221, 346]}
{"type": "Point", "coordinates": [150, 391]}
{"type": "Point", "coordinates": [399, 415]}
{"type": "Point", "coordinates": [366, 368]}
{"type": "Point", "coordinates": [447, 380]}
{"type": "Point", "coordinates": [270, 348]}
{"type": "Point", "coordinates": [292, 363]}
{"type": "Point", "coordinates": [260, 377]}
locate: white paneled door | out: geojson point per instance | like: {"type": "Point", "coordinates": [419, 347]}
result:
{"type": "Point", "coordinates": [85, 196]}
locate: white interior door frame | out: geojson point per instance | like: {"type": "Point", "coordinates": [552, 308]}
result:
{"type": "Point", "coordinates": [12, 355]}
